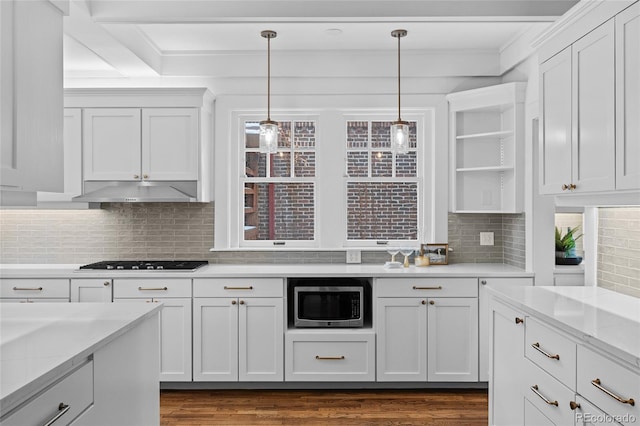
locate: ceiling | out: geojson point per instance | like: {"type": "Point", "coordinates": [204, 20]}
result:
{"type": "Point", "coordinates": [121, 39]}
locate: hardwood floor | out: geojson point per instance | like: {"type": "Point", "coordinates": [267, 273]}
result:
{"type": "Point", "coordinates": [322, 407]}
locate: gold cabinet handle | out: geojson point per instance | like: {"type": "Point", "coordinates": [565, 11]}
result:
{"type": "Point", "coordinates": [573, 405]}
{"type": "Point", "coordinates": [572, 187]}
{"type": "Point", "coordinates": [598, 384]}
{"type": "Point", "coordinates": [439, 287]}
{"type": "Point", "coordinates": [136, 176]}
{"type": "Point", "coordinates": [238, 288]}
{"type": "Point", "coordinates": [62, 410]}
{"type": "Point", "coordinates": [242, 302]}
{"type": "Point", "coordinates": [431, 302]}
{"type": "Point", "coordinates": [153, 288]}
{"type": "Point", "coordinates": [424, 302]}
{"type": "Point", "coordinates": [536, 346]}
{"type": "Point", "coordinates": [145, 176]}
{"type": "Point", "coordinates": [106, 283]}
{"type": "Point", "coordinates": [534, 388]}
{"type": "Point", "coordinates": [519, 320]}
{"type": "Point", "coordinates": [569, 187]}
{"type": "Point", "coordinates": [233, 302]}
{"type": "Point", "coordinates": [565, 186]}
{"type": "Point", "coordinates": [333, 358]}
{"type": "Point", "coordinates": [27, 288]}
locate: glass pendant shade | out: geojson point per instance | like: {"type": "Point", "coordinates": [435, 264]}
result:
{"type": "Point", "coordinates": [400, 137]}
{"type": "Point", "coordinates": [268, 136]}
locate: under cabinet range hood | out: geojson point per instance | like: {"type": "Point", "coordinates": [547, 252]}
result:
{"type": "Point", "coordinates": [138, 192]}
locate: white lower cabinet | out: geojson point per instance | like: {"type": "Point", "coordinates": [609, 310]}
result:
{"type": "Point", "coordinates": [432, 335]}
{"type": "Point", "coordinates": [91, 290]}
{"type": "Point", "coordinates": [29, 290]}
{"type": "Point", "coordinates": [238, 338]}
{"type": "Point", "coordinates": [330, 356]}
{"type": "Point", "coordinates": [175, 320]}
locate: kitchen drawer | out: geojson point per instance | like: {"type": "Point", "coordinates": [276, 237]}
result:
{"type": "Point", "coordinates": [613, 378]}
{"type": "Point", "coordinates": [335, 357]}
{"type": "Point", "coordinates": [35, 300]}
{"type": "Point", "coordinates": [551, 351]}
{"type": "Point", "coordinates": [548, 395]}
{"type": "Point", "coordinates": [427, 287]}
{"type": "Point", "coordinates": [152, 287]}
{"type": "Point", "coordinates": [238, 287]}
{"type": "Point", "coordinates": [69, 397]}
{"type": "Point", "coordinates": [34, 288]}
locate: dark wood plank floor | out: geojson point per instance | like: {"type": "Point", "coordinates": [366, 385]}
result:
{"type": "Point", "coordinates": [322, 407]}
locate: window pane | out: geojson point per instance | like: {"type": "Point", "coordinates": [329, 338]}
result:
{"type": "Point", "coordinates": [281, 165]}
{"type": "Point", "coordinates": [381, 164]}
{"type": "Point", "coordinates": [381, 134]}
{"type": "Point", "coordinates": [357, 164]}
{"type": "Point", "coordinates": [305, 165]}
{"type": "Point", "coordinates": [413, 135]}
{"type": "Point", "coordinates": [251, 134]}
{"type": "Point", "coordinates": [305, 135]}
{"type": "Point", "coordinates": [284, 136]}
{"type": "Point", "coordinates": [357, 134]}
{"type": "Point", "coordinates": [255, 164]}
{"type": "Point", "coordinates": [382, 211]}
{"type": "Point", "coordinates": [283, 211]}
{"type": "Point", "coordinates": [406, 164]}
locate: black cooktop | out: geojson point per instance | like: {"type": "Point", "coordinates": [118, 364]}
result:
{"type": "Point", "coordinates": [146, 265]}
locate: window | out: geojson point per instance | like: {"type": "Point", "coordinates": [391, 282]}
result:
{"type": "Point", "coordinates": [382, 187]}
{"type": "Point", "coordinates": [279, 189]}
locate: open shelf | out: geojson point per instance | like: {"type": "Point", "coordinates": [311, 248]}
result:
{"type": "Point", "coordinates": [486, 139]}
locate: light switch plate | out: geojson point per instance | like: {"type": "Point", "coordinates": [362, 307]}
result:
{"type": "Point", "coordinates": [486, 238]}
{"type": "Point", "coordinates": [353, 256]}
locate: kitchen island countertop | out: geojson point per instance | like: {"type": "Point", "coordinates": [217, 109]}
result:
{"type": "Point", "coordinates": [40, 342]}
{"type": "Point", "coordinates": [270, 270]}
{"type": "Point", "coordinates": [608, 320]}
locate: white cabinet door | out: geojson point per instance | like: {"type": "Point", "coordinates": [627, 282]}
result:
{"type": "Point", "coordinates": [506, 395]}
{"type": "Point", "coordinates": [261, 339]}
{"type": "Point", "coordinates": [175, 337]}
{"type": "Point", "coordinates": [555, 123]}
{"type": "Point", "coordinates": [628, 98]}
{"type": "Point", "coordinates": [452, 342]}
{"type": "Point", "coordinates": [534, 417]}
{"type": "Point", "coordinates": [401, 346]}
{"type": "Point", "coordinates": [31, 99]}
{"type": "Point", "coordinates": [483, 318]}
{"type": "Point", "coordinates": [170, 144]}
{"type": "Point", "coordinates": [175, 340]}
{"type": "Point", "coordinates": [91, 290]}
{"type": "Point", "coordinates": [111, 142]}
{"type": "Point", "coordinates": [215, 339]}
{"type": "Point", "coordinates": [593, 149]}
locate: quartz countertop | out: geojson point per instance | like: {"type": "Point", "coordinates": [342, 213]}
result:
{"type": "Point", "coordinates": [606, 319]}
{"type": "Point", "coordinates": [40, 342]}
{"type": "Point", "coordinates": [270, 270]}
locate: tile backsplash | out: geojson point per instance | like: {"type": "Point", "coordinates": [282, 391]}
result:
{"type": "Point", "coordinates": [185, 231]}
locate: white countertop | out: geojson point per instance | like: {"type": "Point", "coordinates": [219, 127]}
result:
{"type": "Point", "coordinates": [39, 342]}
{"type": "Point", "coordinates": [270, 270]}
{"type": "Point", "coordinates": [606, 319]}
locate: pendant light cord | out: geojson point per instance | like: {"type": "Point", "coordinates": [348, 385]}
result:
{"type": "Point", "coordinates": [399, 119]}
{"type": "Point", "coordinates": [268, 78]}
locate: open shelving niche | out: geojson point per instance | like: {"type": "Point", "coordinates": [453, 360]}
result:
{"type": "Point", "coordinates": [486, 149]}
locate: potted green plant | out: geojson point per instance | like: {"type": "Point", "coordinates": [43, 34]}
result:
{"type": "Point", "coordinates": [566, 244]}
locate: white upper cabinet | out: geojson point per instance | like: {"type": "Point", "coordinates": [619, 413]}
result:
{"type": "Point", "coordinates": [486, 149]}
{"type": "Point", "coordinates": [628, 98]}
{"type": "Point", "coordinates": [31, 96]}
{"type": "Point", "coordinates": [590, 101]}
{"type": "Point", "coordinates": [112, 147]}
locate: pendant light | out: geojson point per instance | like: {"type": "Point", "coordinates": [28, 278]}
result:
{"type": "Point", "coordinates": [399, 128]}
{"type": "Point", "coordinates": [268, 127]}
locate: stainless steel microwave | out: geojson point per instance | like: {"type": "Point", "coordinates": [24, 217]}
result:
{"type": "Point", "coordinates": [328, 306]}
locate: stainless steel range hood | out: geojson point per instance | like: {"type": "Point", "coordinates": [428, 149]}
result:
{"type": "Point", "coordinates": [138, 192]}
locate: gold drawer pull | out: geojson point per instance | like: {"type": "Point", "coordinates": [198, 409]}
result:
{"type": "Point", "coordinates": [597, 384]}
{"type": "Point", "coordinates": [27, 288]}
{"type": "Point", "coordinates": [427, 288]}
{"type": "Point", "coordinates": [519, 320]}
{"type": "Point", "coordinates": [534, 388]}
{"type": "Point", "coordinates": [330, 357]}
{"type": "Point", "coordinates": [536, 346]}
{"type": "Point", "coordinates": [62, 410]}
{"type": "Point", "coordinates": [153, 288]}
{"type": "Point", "coordinates": [574, 405]}
{"type": "Point", "coordinates": [238, 288]}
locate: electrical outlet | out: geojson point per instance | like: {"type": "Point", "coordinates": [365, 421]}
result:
{"type": "Point", "coordinates": [353, 256]}
{"type": "Point", "coordinates": [486, 238]}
